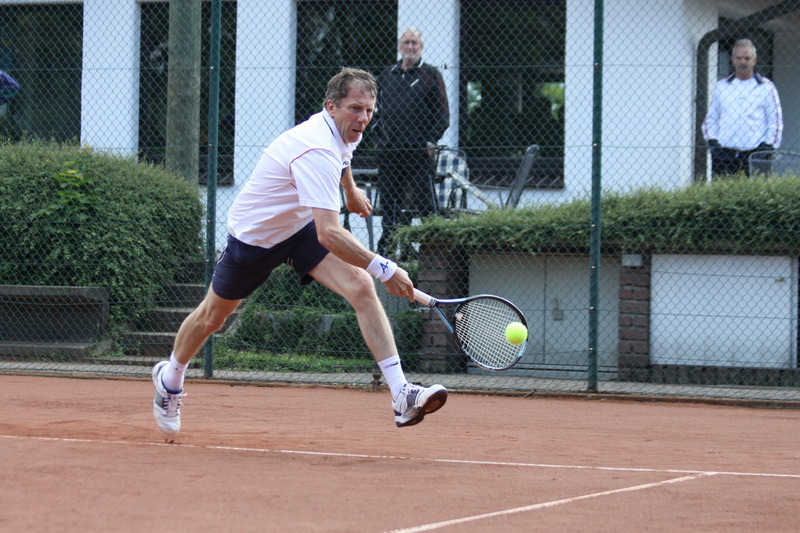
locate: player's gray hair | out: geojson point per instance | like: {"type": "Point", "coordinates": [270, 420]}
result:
{"type": "Point", "coordinates": [339, 85]}
{"type": "Point", "coordinates": [413, 30]}
{"type": "Point", "coordinates": [744, 43]}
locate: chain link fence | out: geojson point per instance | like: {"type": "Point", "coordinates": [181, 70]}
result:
{"type": "Point", "coordinates": [552, 152]}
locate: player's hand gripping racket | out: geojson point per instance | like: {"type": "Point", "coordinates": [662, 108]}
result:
{"type": "Point", "coordinates": [478, 328]}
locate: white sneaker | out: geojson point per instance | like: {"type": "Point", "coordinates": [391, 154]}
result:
{"type": "Point", "coordinates": [166, 406]}
{"type": "Point", "coordinates": [415, 401]}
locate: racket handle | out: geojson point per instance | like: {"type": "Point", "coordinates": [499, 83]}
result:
{"type": "Point", "coordinates": [425, 299]}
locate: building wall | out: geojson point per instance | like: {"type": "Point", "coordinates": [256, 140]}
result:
{"type": "Point", "coordinates": [648, 82]}
{"type": "Point", "coordinates": [787, 78]}
{"type": "Point", "coordinates": [704, 313]}
{"type": "Point", "coordinates": [648, 93]}
{"type": "Point", "coordinates": [110, 80]}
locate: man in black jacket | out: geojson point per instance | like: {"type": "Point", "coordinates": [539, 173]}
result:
{"type": "Point", "coordinates": [412, 115]}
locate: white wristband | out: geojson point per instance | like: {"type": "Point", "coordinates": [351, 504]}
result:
{"type": "Point", "coordinates": [382, 268]}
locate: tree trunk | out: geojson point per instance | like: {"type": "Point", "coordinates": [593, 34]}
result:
{"type": "Point", "coordinates": [183, 89]}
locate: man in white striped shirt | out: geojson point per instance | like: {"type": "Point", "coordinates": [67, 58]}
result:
{"type": "Point", "coordinates": [744, 116]}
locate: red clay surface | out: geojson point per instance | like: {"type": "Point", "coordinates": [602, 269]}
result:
{"type": "Point", "coordinates": [85, 455]}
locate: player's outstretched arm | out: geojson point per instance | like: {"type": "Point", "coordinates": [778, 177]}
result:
{"type": "Point", "coordinates": [343, 245]}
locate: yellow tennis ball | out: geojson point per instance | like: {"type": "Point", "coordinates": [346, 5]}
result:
{"type": "Point", "coordinates": [516, 333]}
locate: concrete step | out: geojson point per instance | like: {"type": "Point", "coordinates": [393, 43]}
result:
{"type": "Point", "coordinates": [135, 360]}
{"type": "Point", "coordinates": [153, 336]}
{"type": "Point", "coordinates": [163, 319]}
{"type": "Point", "coordinates": [147, 343]}
{"type": "Point", "coordinates": [182, 295]}
{"type": "Point", "coordinates": [156, 340]}
{"type": "Point", "coordinates": [71, 351]}
{"type": "Point", "coordinates": [169, 319]}
{"type": "Point", "coordinates": [127, 360]}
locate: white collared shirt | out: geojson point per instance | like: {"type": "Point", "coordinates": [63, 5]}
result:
{"type": "Point", "coordinates": [299, 170]}
{"type": "Point", "coordinates": [744, 113]}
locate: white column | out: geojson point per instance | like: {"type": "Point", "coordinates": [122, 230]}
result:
{"type": "Point", "coordinates": [110, 78]}
{"type": "Point", "coordinates": [787, 80]}
{"type": "Point", "coordinates": [578, 75]}
{"type": "Point", "coordinates": [265, 77]}
{"type": "Point", "coordinates": [265, 80]}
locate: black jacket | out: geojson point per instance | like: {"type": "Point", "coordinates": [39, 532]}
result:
{"type": "Point", "coordinates": [412, 107]}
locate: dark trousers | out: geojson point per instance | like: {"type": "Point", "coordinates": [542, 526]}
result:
{"type": "Point", "coordinates": [405, 190]}
{"type": "Point", "coordinates": [730, 161]}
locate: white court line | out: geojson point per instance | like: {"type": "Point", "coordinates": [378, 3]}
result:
{"type": "Point", "coordinates": [544, 505]}
{"type": "Point", "coordinates": [405, 458]}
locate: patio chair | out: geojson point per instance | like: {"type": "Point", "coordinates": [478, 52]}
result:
{"type": "Point", "coordinates": [523, 174]}
{"type": "Point", "coordinates": [774, 163]}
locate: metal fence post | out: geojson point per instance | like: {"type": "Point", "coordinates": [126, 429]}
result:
{"type": "Point", "coordinates": [211, 184]}
{"type": "Point", "coordinates": [595, 239]}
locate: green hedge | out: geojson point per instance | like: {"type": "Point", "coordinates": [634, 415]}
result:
{"type": "Point", "coordinates": [742, 216]}
{"type": "Point", "coordinates": [73, 217]}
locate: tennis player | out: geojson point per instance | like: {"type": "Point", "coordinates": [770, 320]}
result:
{"type": "Point", "coordinates": [288, 212]}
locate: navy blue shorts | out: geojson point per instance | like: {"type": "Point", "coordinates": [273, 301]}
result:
{"type": "Point", "coordinates": [242, 268]}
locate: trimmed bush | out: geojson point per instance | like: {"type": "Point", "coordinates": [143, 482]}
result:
{"type": "Point", "coordinates": [246, 361]}
{"type": "Point", "coordinates": [740, 216]}
{"type": "Point", "coordinates": [73, 217]}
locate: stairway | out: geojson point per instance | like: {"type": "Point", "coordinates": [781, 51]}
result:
{"type": "Point", "coordinates": [53, 322]}
{"type": "Point", "coordinates": [152, 337]}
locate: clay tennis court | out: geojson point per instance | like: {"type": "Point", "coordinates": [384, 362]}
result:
{"type": "Point", "coordinates": [85, 455]}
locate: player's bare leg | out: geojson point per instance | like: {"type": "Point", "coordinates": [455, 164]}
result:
{"type": "Point", "coordinates": [356, 286]}
{"type": "Point", "coordinates": [410, 402]}
{"type": "Point", "coordinates": [195, 330]}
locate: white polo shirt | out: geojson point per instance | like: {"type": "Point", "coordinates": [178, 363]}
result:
{"type": "Point", "coordinates": [299, 170]}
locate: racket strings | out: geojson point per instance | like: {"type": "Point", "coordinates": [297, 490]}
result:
{"type": "Point", "coordinates": [480, 326]}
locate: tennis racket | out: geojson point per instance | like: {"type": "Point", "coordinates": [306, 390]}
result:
{"type": "Point", "coordinates": [478, 328]}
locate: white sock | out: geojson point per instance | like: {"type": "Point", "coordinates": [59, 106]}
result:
{"type": "Point", "coordinates": [173, 375]}
{"type": "Point", "coordinates": [393, 373]}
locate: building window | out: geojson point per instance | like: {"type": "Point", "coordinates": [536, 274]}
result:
{"type": "Point", "coordinates": [512, 81]}
{"type": "Point", "coordinates": [154, 60]}
{"type": "Point", "coordinates": [333, 34]}
{"type": "Point", "coordinates": [41, 47]}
